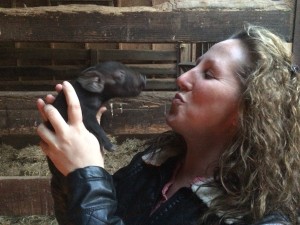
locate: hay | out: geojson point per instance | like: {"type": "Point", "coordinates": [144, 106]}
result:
{"type": "Point", "coordinates": [31, 161]}
{"type": "Point", "coordinates": [29, 220]}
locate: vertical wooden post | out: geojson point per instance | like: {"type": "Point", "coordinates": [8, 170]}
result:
{"type": "Point", "coordinates": [296, 35]}
{"type": "Point", "coordinates": [94, 59]}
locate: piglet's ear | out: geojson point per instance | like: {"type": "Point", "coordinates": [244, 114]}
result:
{"type": "Point", "coordinates": [92, 81]}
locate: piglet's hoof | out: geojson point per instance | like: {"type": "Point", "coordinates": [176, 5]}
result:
{"type": "Point", "coordinates": [111, 148]}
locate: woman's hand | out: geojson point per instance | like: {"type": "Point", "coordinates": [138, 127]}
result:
{"type": "Point", "coordinates": [71, 146]}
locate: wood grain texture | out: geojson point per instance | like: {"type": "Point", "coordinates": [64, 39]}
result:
{"type": "Point", "coordinates": [144, 114]}
{"type": "Point", "coordinates": [296, 37]}
{"type": "Point", "coordinates": [134, 24]}
{"type": "Point", "coordinates": [23, 196]}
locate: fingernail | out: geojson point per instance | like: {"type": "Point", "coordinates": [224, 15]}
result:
{"type": "Point", "coordinates": [65, 83]}
{"type": "Point", "coordinates": [48, 107]}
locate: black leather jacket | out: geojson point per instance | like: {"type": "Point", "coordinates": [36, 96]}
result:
{"type": "Point", "coordinates": [94, 197]}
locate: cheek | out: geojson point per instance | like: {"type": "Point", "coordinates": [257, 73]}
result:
{"type": "Point", "coordinates": [226, 110]}
{"type": "Point", "coordinates": [219, 102]}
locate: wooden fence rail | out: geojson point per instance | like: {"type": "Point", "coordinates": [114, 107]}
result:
{"type": "Point", "coordinates": [40, 68]}
{"type": "Point", "coordinates": [136, 24]}
{"type": "Point", "coordinates": [23, 196]}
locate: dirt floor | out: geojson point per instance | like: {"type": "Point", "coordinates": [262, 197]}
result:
{"type": "Point", "coordinates": [30, 161]}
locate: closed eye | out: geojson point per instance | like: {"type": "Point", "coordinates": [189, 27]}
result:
{"type": "Point", "coordinates": [208, 75]}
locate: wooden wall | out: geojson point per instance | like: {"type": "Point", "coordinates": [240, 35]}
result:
{"type": "Point", "coordinates": [40, 46]}
{"type": "Point", "coordinates": [296, 35]}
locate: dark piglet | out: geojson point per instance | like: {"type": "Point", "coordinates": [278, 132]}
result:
{"type": "Point", "coordinates": [95, 86]}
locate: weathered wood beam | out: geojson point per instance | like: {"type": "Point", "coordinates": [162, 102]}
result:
{"type": "Point", "coordinates": [144, 114]}
{"type": "Point", "coordinates": [296, 39]}
{"type": "Point", "coordinates": [44, 54]}
{"type": "Point", "coordinates": [75, 23]}
{"type": "Point", "coordinates": [24, 196]}
{"type": "Point", "coordinates": [156, 84]}
{"type": "Point", "coordinates": [84, 54]}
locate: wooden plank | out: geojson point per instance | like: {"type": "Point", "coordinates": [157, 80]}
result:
{"type": "Point", "coordinates": [84, 54]}
{"type": "Point", "coordinates": [80, 1]}
{"type": "Point", "coordinates": [296, 39]}
{"type": "Point", "coordinates": [135, 24]}
{"type": "Point", "coordinates": [20, 141]}
{"type": "Point", "coordinates": [95, 2]}
{"type": "Point", "coordinates": [20, 120]}
{"type": "Point", "coordinates": [144, 114]}
{"type": "Point", "coordinates": [24, 196]}
{"type": "Point", "coordinates": [221, 4]}
{"type": "Point", "coordinates": [44, 54]}
{"type": "Point", "coordinates": [155, 70]}
{"type": "Point", "coordinates": [23, 3]}
{"type": "Point", "coordinates": [63, 71]}
{"type": "Point", "coordinates": [155, 84]}
{"type": "Point", "coordinates": [137, 55]}
{"type": "Point", "coordinates": [135, 46]}
{"type": "Point", "coordinates": [35, 73]}
{"type": "Point", "coordinates": [156, 64]}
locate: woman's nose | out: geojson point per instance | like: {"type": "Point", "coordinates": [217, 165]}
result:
{"type": "Point", "coordinates": [184, 81]}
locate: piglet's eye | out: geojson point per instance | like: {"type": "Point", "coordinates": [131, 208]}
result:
{"type": "Point", "coordinates": [119, 75]}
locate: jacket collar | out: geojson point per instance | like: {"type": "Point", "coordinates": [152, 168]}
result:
{"type": "Point", "coordinates": [206, 193]}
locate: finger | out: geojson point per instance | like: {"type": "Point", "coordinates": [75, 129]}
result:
{"type": "Point", "coordinates": [48, 137]}
{"type": "Point", "coordinates": [74, 109]}
{"type": "Point", "coordinates": [40, 105]}
{"type": "Point", "coordinates": [46, 149]}
{"type": "Point", "coordinates": [100, 112]}
{"type": "Point", "coordinates": [57, 121]}
{"type": "Point", "coordinates": [44, 146]}
{"type": "Point", "coordinates": [49, 99]}
{"type": "Point", "coordinates": [58, 88]}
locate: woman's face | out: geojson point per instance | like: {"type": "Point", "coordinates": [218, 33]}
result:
{"type": "Point", "coordinates": [207, 103]}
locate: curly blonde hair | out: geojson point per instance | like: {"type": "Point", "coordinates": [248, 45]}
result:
{"type": "Point", "coordinates": [259, 172]}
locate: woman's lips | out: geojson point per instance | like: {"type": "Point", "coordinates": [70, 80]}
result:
{"type": "Point", "coordinates": [178, 98]}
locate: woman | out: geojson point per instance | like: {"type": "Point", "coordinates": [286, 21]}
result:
{"type": "Point", "coordinates": [232, 156]}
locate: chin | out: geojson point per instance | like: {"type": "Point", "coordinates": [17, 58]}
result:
{"type": "Point", "coordinates": [173, 117]}
{"type": "Point", "coordinates": [170, 120]}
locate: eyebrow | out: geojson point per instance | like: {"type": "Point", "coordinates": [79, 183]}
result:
{"type": "Point", "coordinates": [207, 61]}
{"type": "Point", "coordinates": [199, 59]}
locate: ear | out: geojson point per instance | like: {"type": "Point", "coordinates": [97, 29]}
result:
{"type": "Point", "coordinates": [91, 80]}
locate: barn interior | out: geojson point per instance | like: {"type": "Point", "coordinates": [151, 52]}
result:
{"type": "Point", "coordinates": [44, 42]}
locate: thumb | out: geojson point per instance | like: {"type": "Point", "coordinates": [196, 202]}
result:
{"type": "Point", "coordinates": [100, 112]}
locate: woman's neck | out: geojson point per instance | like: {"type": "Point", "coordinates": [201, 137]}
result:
{"type": "Point", "coordinates": [193, 166]}
{"type": "Point", "coordinates": [202, 157]}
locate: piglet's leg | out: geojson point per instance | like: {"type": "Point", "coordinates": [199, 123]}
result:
{"type": "Point", "coordinates": [101, 136]}
{"type": "Point", "coordinates": [93, 126]}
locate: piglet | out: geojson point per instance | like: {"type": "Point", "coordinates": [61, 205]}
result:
{"type": "Point", "coordinates": [95, 86]}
